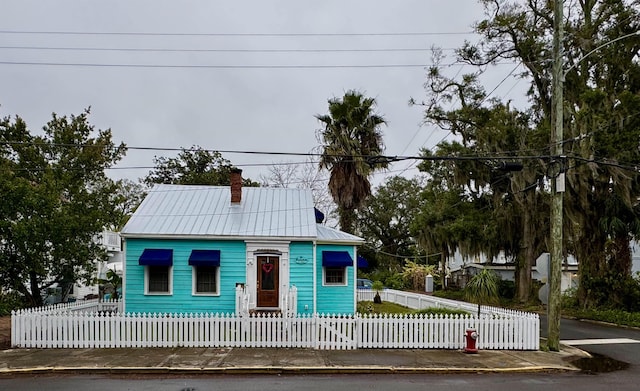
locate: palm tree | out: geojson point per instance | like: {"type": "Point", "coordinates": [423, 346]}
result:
{"type": "Point", "coordinates": [482, 288]}
{"type": "Point", "coordinates": [377, 286]}
{"type": "Point", "coordinates": [351, 141]}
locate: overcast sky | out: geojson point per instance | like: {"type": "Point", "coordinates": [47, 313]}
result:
{"type": "Point", "coordinates": [248, 97]}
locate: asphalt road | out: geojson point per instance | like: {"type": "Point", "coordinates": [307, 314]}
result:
{"type": "Point", "coordinates": [485, 382]}
{"type": "Point", "coordinates": [622, 344]}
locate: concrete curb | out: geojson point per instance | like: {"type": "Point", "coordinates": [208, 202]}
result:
{"type": "Point", "coordinates": [276, 370]}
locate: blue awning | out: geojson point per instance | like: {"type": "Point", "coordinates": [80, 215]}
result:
{"type": "Point", "coordinates": [336, 259]}
{"type": "Point", "coordinates": [362, 262]}
{"type": "Point", "coordinates": [204, 258]}
{"type": "Point", "coordinates": [156, 257]}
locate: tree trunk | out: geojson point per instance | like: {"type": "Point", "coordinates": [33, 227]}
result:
{"type": "Point", "coordinates": [36, 297]}
{"type": "Point", "coordinates": [591, 266]}
{"type": "Point", "coordinates": [526, 257]}
{"type": "Point", "coordinates": [620, 261]}
{"type": "Point", "coordinates": [347, 219]}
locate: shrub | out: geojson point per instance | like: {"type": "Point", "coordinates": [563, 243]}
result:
{"type": "Point", "coordinates": [441, 311]}
{"type": "Point", "coordinates": [391, 280]}
{"type": "Point", "coordinates": [610, 316]}
{"type": "Point", "coordinates": [453, 294]}
{"type": "Point", "coordinates": [415, 274]}
{"type": "Point", "coordinates": [569, 299]}
{"type": "Point", "coordinates": [368, 307]}
{"type": "Point", "coordinates": [10, 302]}
{"type": "Point", "coordinates": [506, 289]}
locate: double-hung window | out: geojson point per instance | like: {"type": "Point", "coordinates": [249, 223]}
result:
{"type": "Point", "coordinates": [158, 279]}
{"type": "Point", "coordinates": [206, 272]}
{"type": "Point", "coordinates": [334, 267]}
{"type": "Point", "coordinates": [335, 276]}
{"type": "Point", "coordinates": [158, 268]}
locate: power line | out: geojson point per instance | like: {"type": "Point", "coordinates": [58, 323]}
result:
{"type": "Point", "coordinates": [234, 66]}
{"type": "Point", "coordinates": [497, 156]}
{"type": "Point", "coordinates": [158, 34]}
{"type": "Point", "coordinates": [170, 50]}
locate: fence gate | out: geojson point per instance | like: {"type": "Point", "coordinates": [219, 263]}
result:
{"type": "Point", "coordinates": [336, 333]}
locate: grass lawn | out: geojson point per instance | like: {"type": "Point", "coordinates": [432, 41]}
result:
{"type": "Point", "coordinates": [386, 307]}
{"type": "Point", "coordinates": [369, 307]}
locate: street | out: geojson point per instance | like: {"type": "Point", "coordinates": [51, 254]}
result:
{"type": "Point", "coordinates": [622, 344]}
{"type": "Point", "coordinates": [487, 382]}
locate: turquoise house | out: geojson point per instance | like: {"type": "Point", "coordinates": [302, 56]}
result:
{"type": "Point", "coordinates": [229, 249]}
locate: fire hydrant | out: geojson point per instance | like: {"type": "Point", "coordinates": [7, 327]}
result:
{"type": "Point", "coordinates": [471, 337]}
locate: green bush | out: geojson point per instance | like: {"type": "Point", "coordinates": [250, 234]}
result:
{"type": "Point", "coordinates": [441, 311]}
{"type": "Point", "coordinates": [622, 318]}
{"type": "Point", "coordinates": [631, 294]}
{"type": "Point", "coordinates": [453, 294]}
{"type": "Point", "coordinates": [569, 299]}
{"type": "Point", "coordinates": [414, 274]}
{"type": "Point", "coordinates": [368, 307]}
{"type": "Point", "coordinates": [10, 302]}
{"type": "Point", "coordinates": [392, 280]}
{"type": "Point", "coordinates": [506, 289]}
{"type": "Point", "coordinates": [395, 281]}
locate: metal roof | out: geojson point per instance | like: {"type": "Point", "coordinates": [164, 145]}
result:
{"type": "Point", "coordinates": [326, 234]}
{"type": "Point", "coordinates": [181, 210]}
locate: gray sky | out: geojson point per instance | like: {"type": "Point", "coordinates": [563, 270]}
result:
{"type": "Point", "coordinates": [234, 108]}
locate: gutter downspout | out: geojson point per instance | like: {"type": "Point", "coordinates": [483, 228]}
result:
{"type": "Point", "coordinates": [355, 279]}
{"type": "Point", "coordinates": [124, 275]}
{"type": "Point", "coordinates": [315, 280]}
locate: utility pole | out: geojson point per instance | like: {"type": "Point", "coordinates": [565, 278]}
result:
{"type": "Point", "coordinates": [557, 182]}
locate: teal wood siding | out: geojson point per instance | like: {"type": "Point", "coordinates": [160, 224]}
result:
{"type": "Point", "coordinates": [335, 299]}
{"type": "Point", "coordinates": [301, 274]}
{"type": "Point", "coordinates": [232, 271]}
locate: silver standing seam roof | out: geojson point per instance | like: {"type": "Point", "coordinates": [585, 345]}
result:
{"type": "Point", "coordinates": [170, 211]}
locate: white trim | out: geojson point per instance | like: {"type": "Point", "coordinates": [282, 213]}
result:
{"type": "Point", "coordinates": [345, 276]}
{"type": "Point", "coordinates": [124, 275]}
{"type": "Point", "coordinates": [355, 279]}
{"type": "Point", "coordinates": [254, 247]}
{"type": "Point", "coordinates": [315, 279]}
{"type": "Point", "coordinates": [194, 277]}
{"type": "Point", "coordinates": [340, 242]}
{"type": "Point", "coordinates": [244, 238]}
{"type": "Point", "coordinates": [146, 283]}
{"type": "Point", "coordinates": [264, 239]}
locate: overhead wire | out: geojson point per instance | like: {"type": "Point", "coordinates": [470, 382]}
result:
{"type": "Point", "coordinates": [182, 50]}
{"type": "Point", "coordinates": [218, 66]}
{"type": "Point", "coordinates": [257, 34]}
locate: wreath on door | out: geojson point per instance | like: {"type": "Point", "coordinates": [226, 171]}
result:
{"type": "Point", "coordinates": [267, 267]}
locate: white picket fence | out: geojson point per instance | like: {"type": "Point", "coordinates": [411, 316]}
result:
{"type": "Point", "coordinates": [91, 305]}
{"type": "Point", "coordinates": [69, 329]}
{"type": "Point", "coordinates": [419, 301]}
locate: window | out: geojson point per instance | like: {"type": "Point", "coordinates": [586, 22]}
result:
{"type": "Point", "coordinates": [158, 279]}
{"type": "Point", "coordinates": [335, 275]}
{"type": "Point", "coordinates": [205, 280]}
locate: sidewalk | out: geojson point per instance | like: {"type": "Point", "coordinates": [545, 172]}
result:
{"type": "Point", "coordinates": [280, 361]}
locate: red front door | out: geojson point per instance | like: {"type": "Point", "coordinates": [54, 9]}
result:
{"type": "Point", "coordinates": [268, 281]}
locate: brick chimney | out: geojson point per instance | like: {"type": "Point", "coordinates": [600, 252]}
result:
{"type": "Point", "coordinates": [236, 185]}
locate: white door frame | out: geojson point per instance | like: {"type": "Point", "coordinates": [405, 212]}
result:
{"type": "Point", "coordinates": [267, 247]}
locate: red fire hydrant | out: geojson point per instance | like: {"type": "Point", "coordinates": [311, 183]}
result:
{"type": "Point", "coordinates": [471, 337]}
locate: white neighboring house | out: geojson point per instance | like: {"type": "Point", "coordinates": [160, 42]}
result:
{"type": "Point", "coordinates": [461, 269]}
{"type": "Point", "coordinates": [113, 244]}
{"type": "Point", "coordinates": [635, 257]}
